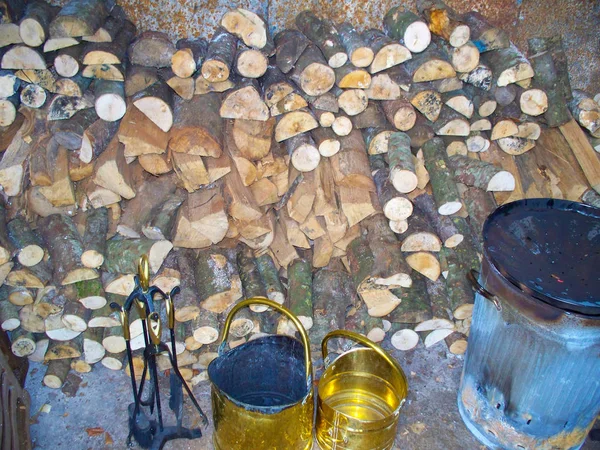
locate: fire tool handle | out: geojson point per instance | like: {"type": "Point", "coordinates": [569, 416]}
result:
{"type": "Point", "coordinates": [472, 276]}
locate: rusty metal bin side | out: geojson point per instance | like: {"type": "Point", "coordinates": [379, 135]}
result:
{"type": "Point", "coordinates": [14, 414]}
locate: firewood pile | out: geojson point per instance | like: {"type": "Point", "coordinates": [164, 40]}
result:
{"type": "Point", "coordinates": [344, 173]}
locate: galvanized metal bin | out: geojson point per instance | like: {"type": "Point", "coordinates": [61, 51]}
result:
{"type": "Point", "coordinates": [531, 378]}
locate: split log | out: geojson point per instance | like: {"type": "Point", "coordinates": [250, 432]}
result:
{"type": "Point", "coordinates": [20, 296]}
{"type": "Point", "coordinates": [114, 361]}
{"type": "Point", "coordinates": [425, 263]}
{"type": "Point", "coordinates": [218, 284]}
{"type": "Point", "coordinates": [481, 77]}
{"type": "Point", "coordinates": [22, 57]}
{"type": "Point", "coordinates": [122, 255]}
{"type": "Point", "coordinates": [290, 44]}
{"type": "Point", "coordinates": [9, 34]}
{"type": "Point", "coordinates": [331, 296]}
{"type": "Point", "coordinates": [443, 225]}
{"type": "Point", "coordinates": [386, 52]}
{"type": "Point", "coordinates": [140, 135]}
{"type": "Point", "coordinates": [485, 36]}
{"type": "Point", "coordinates": [63, 107]}
{"type": "Point", "coordinates": [156, 164]}
{"type": "Point", "coordinates": [428, 103]}
{"type": "Point", "coordinates": [95, 53]}
{"type": "Point", "coordinates": [65, 248]}
{"type": "Point", "coordinates": [508, 65]}
{"type": "Point", "coordinates": [188, 56]}
{"type": "Point", "coordinates": [220, 56]}
{"type": "Point", "coordinates": [93, 350]}
{"type": "Point", "coordinates": [150, 196]}
{"type": "Point", "coordinates": [377, 139]}
{"type": "Point", "coordinates": [59, 192]}
{"type": "Point", "coordinates": [420, 236]}
{"type": "Point", "coordinates": [26, 242]}
{"type": "Point", "coordinates": [152, 49]}
{"type": "Point", "coordinates": [44, 78]}
{"type": "Point", "coordinates": [351, 164]}
{"type": "Point", "coordinates": [96, 138]}
{"type": "Point", "coordinates": [9, 316]}
{"type": "Point", "coordinates": [56, 373]}
{"type": "Point", "coordinates": [451, 123]}
{"type": "Point", "coordinates": [529, 130]}
{"type": "Point", "coordinates": [293, 124]}
{"type": "Point", "coordinates": [183, 87]}
{"type": "Point", "coordinates": [477, 142]}
{"type": "Point", "coordinates": [80, 18]}
{"type": "Point", "coordinates": [69, 133]}
{"type": "Point", "coordinates": [113, 172]}
{"type": "Point", "coordinates": [75, 316]}
{"type": "Point", "coordinates": [139, 78]}
{"type": "Point", "coordinates": [404, 339]}
{"type": "Point", "coordinates": [406, 27]}
{"type": "Point", "coordinates": [444, 22]}
{"type": "Point", "coordinates": [156, 102]}
{"type": "Point", "coordinates": [481, 174]}
{"type": "Point", "coordinates": [484, 103]}
{"type": "Point", "coordinates": [324, 35]}
{"type": "Point", "coordinates": [276, 86]}
{"type": "Point", "coordinates": [249, 62]}
{"type": "Point", "coordinates": [311, 72]}
{"type": "Point", "coordinates": [110, 100]}
{"type": "Point", "coordinates": [431, 65]}
{"type": "Point", "coordinates": [356, 203]}
{"type": "Point", "coordinates": [72, 87]}
{"type": "Point", "coordinates": [583, 152]}
{"type": "Point", "coordinates": [414, 303]}
{"type": "Point", "coordinates": [445, 194]}
{"type": "Point", "coordinates": [251, 28]}
{"type": "Point", "coordinates": [30, 277]}
{"type": "Point", "coordinates": [460, 102]}
{"type": "Point", "coordinates": [33, 96]}
{"type": "Point", "coordinates": [464, 59]}
{"type": "Point", "coordinates": [9, 83]}
{"type": "Point", "coordinates": [198, 128]}
{"type": "Point", "coordinates": [479, 125]}
{"type": "Point", "coordinates": [244, 102]}
{"type": "Point", "coordinates": [110, 28]}
{"type": "Point", "coordinates": [400, 113]}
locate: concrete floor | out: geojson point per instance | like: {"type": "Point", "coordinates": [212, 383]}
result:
{"type": "Point", "coordinates": [98, 400]}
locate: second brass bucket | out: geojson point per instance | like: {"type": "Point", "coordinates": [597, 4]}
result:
{"type": "Point", "coordinates": [359, 397]}
{"type": "Point", "coordinates": [262, 395]}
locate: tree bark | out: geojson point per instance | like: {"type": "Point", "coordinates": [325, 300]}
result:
{"type": "Point", "coordinates": [445, 194]}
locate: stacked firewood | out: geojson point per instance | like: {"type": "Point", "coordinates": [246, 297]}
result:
{"type": "Point", "coordinates": [344, 174]}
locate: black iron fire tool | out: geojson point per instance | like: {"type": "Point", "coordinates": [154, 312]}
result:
{"type": "Point", "coordinates": [176, 399]}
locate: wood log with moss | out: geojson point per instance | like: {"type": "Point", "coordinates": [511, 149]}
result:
{"type": "Point", "coordinates": [252, 283]}
{"type": "Point", "coordinates": [65, 247]}
{"type": "Point", "coordinates": [396, 206]}
{"type": "Point", "coordinates": [94, 238]}
{"type": "Point", "coordinates": [122, 255]}
{"type": "Point", "coordinates": [481, 174]}
{"type": "Point", "coordinates": [508, 64]}
{"type": "Point", "coordinates": [402, 168]}
{"type": "Point", "coordinates": [25, 242]}
{"type": "Point", "coordinates": [311, 72]}
{"type": "Point", "coordinates": [218, 283]}
{"type": "Point", "coordinates": [445, 194]}
{"type": "Point", "coordinates": [186, 303]}
{"type": "Point", "coordinates": [332, 295]}
{"type": "Point", "coordinates": [324, 35]}
{"type": "Point", "coordinates": [406, 27]}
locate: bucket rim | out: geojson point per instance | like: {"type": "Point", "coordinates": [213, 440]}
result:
{"type": "Point", "coordinates": [247, 406]}
{"type": "Point", "coordinates": [578, 306]}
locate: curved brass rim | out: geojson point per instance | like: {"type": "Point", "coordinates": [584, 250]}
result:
{"type": "Point", "coordinates": [277, 307]}
{"type": "Point", "coordinates": [365, 342]}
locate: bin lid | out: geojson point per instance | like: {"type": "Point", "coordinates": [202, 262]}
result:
{"type": "Point", "coordinates": [550, 249]}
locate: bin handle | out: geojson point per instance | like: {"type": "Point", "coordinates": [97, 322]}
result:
{"type": "Point", "coordinates": [359, 338]}
{"type": "Point", "coordinates": [280, 309]}
{"type": "Point", "coordinates": [472, 276]}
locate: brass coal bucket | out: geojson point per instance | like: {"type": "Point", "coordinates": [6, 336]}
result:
{"type": "Point", "coordinates": [359, 397]}
{"type": "Point", "coordinates": [262, 394]}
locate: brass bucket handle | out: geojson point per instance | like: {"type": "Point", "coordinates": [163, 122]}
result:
{"type": "Point", "coordinates": [363, 341]}
{"type": "Point", "coordinates": [277, 307]}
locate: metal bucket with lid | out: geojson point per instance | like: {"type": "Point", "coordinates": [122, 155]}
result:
{"type": "Point", "coordinates": [531, 378]}
{"type": "Point", "coordinates": [359, 397]}
{"type": "Point", "coordinates": [262, 393]}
